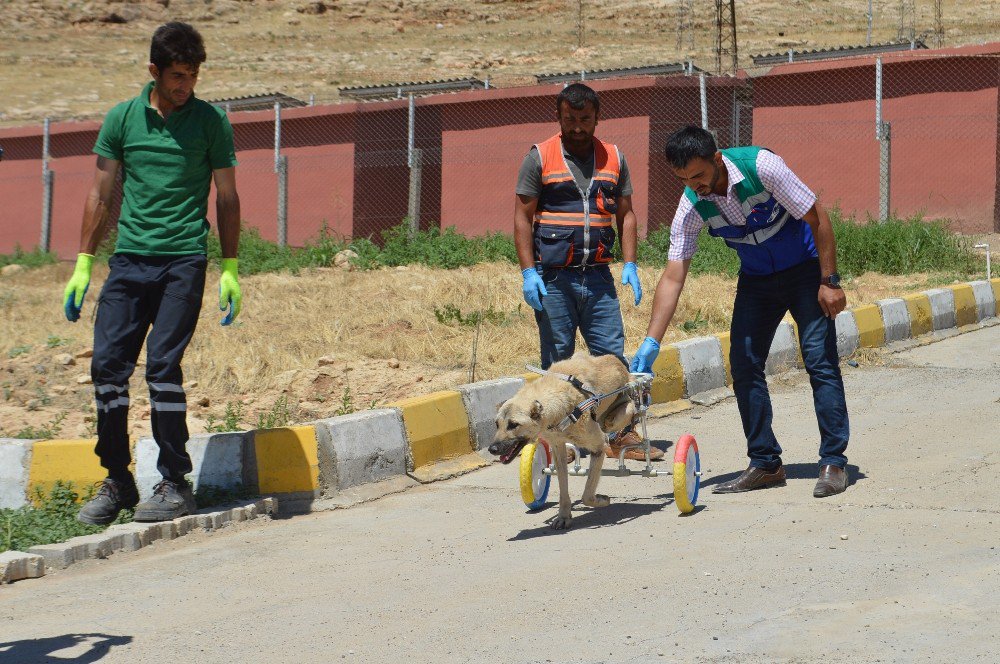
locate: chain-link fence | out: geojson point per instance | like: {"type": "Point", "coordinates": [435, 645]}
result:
{"type": "Point", "coordinates": [879, 135]}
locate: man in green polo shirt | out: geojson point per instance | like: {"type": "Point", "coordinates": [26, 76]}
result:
{"type": "Point", "coordinates": [170, 146]}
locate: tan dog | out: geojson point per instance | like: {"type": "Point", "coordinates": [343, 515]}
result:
{"type": "Point", "coordinates": [539, 407]}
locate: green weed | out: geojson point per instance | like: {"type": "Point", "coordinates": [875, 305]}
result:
{"type": "Point", "coordinates": [17, 351]}
{"type": "Point", "coordinates": [29, 259]}
{"type": "Point", "coordinates": [54, 341]}
{"type": "Point", "coordinates": [450, 314]}
{"type": "Point", "coordinates": [346, 406]}
{"type": "Point", "coordinates": [695, 323]}
{"type": "Point", "coordinates": [50, 518]}
{"type": "Point", "coordinates": [45, 432]}
{"type": "Point", "coordinates": [278, 415]}
{"type": "Point", "coordinates": [230, 419]}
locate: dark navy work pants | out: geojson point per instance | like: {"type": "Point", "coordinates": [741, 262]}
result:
{"type": "Point", "coordinates": [761, 303]}
{"type": "Point", "coordinates": [161, 296]}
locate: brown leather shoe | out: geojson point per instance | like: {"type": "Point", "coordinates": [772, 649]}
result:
{"type": "Point", "coordinates": [613, 449]}
{"type": "Point", "coordinates": [753, 478]}
{"type": "Point", "coordinates": [832, 480]}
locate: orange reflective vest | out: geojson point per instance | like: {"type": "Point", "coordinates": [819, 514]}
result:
{"type": "Point", "coordinates": [573, 226]}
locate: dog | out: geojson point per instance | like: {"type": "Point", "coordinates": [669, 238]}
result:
{"type": "Point", "coordinates": [539, 407]}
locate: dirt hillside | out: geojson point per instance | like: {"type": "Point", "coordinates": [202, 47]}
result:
{"type": "Point", "coordinates": [76, 59]}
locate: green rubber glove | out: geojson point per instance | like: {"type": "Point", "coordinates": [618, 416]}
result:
{"type": "Point", "coordinates": [229, 290]}
{"type": "Point", "coordinates": [77, 287]}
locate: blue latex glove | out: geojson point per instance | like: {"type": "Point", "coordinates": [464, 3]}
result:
{"type": "Point", "coordinates": [533, 288]}
{"type": "Point", "coordinates": [631, 277]}
{"type": "Point", "coordinates": [645, 356]}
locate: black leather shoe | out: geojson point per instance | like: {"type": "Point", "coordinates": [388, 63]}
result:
{"type": "Point", "coordinates": [111, 498]}
{"type": "Point", "coordinates": [753, 478]}
{"type": "Point", "coordinates": [169, 501]}
{"type": "Point", "coordinates": [832, 480]}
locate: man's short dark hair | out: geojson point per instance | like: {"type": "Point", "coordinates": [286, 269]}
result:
{"type": "Point", "coordinates": [176, 43]}
{"type": "Point", "coordinates": [687, 143]}
{"type": "Point", "coordinates": [577, 96]}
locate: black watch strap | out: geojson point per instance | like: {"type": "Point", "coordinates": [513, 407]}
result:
{"type": "Point", "coordinates": [832, 280]}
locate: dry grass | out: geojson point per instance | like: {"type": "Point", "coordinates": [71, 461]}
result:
{"type": "Point", "coordinates": [52, 67]}
{"type": "Point", "coordinates": [376, 332]}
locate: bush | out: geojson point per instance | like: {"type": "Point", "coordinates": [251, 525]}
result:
{"type": "Point", "coordinates": [29, 259]}
{"type": "Point", "coordinates": [52, 518]}
{"type": "Point", "coordinates": [894, 247]}
{"type": "Point", "coordinates": [901, 246]}
{"type": "Point", "coordinates": [897, 246]}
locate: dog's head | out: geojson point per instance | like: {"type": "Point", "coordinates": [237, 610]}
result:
{"type": "Point", "coordinates": [519, 422]}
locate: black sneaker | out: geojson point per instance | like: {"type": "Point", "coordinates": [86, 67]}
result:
{"type": "Point", "coordinates": [169, 501]}
{"type": "Point", "coordinates": [111, 498]}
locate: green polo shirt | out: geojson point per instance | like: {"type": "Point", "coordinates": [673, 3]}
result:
{"type": "Point", "coordinates": [167, 172]}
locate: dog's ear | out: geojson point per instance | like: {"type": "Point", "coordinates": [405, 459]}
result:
{"type": "Point", "coordinates": [536, 410]}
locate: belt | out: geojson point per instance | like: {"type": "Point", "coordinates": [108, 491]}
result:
{"type": "Point", "coordinates": [579, 268]}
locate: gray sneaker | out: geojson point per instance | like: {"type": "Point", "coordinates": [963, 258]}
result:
{"type": "Point", "coordinates": [111, 498]}
{"type": "Point", "coordinates": [169, 501]}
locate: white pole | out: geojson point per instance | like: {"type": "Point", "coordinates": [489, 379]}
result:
{"type": "Point", "coordinates": [878, 98]}
{"type": "Point", "coordinates": [989, 270]}
{"type": "Point", "coordinates": [277, 134]}
{"type": "Point", "coordinates": [704, 101]}
{"type": "Point", "coordinates": [410, 131]}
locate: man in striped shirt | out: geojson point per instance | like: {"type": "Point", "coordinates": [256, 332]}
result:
{"type": "Point", "coordinates": [788, 264]}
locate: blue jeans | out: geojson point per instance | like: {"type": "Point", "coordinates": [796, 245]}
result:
{"type": "Point", "coordinates": [761, 303]}
{"type": "Point", "coordinates": [580, 299]}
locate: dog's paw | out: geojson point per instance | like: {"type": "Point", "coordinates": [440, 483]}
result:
{"type": "Point", "coordinates": [562, 522]}
{"type": "Point", "coordinates": [599, 500]}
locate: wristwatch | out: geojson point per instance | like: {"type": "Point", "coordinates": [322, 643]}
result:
{"type": "Point", "coordinates": [833, 280]}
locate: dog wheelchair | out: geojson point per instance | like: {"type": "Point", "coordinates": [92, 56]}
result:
{"type": "Point", "coordinates": [538, 467]}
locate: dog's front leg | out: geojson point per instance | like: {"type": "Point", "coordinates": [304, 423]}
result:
{"type": "Point", "coordinates": [564, 518]}
{"type": "Point", "coordinates": [590, 497]}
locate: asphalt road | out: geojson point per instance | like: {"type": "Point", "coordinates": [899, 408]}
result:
{"type": "Point", "coordinates": [903, 567]}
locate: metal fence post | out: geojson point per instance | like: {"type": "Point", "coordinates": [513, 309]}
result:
{"type": "Point", "coordinates": [883, 134]}
{"type": "Point", "coordinates": [277, 134]}
{"type": "Point", "coordinates": [884, 170]}
{"type": "Point", "coordinates": [704, 101]}
{"type": "Point", "coordinates": [48, 180]}
{"type": "Point", "coordinates": [282, 200]}
{"type": "Point", "coordinates": [413, 209]}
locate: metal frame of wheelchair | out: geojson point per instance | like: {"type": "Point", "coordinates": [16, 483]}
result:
{"type": "Point", "coordinates": [537, 466]}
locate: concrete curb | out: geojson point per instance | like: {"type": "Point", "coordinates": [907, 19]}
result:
{"type": "Point", "coordinates": [16, 565]}
{"type": "Point", "coordinates": [438, 435]}
{"type": "Point", "coordinates": [481, 401]}
{"type": "Point", "coordinates": [986, 305]}
{"type": "Point", "coordinates": [848, 338]}
{"type": "Point", "coordinates": [361, 448]}
{"type": "Point", "coordinates": [15, 464]}
{"type": "Point", "coordinates": [784, 353]}
{"type": "Point", "coordinates": [895, 318]}
{"type": "Point", "coordinates": [219, 461]}
{"type": "Point", "coordinates": [701, 361]}
{"type": "Point", "coordinates": [942, 308]}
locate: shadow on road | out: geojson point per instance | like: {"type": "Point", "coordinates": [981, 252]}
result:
{"type": "Point", "coordinates": [793, 471]}
{"type": "Point", "coordinates": [613, 514]}
{"type": "Point", "coordinates": [40, 651]}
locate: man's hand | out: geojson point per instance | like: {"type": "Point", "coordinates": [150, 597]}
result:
{"type": "Point", "coordinates": [630, 276]}
{"type": "Point", "coordinates": [533, 288]}
{"type": "Point", "coordinates": [76, 289]}
{"type": "Point", "coordinates": [645, 356]}
{"type": "Point", "coordinates": [229, 291]}
{"type": "Point", "coordinates": [831, 300]}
